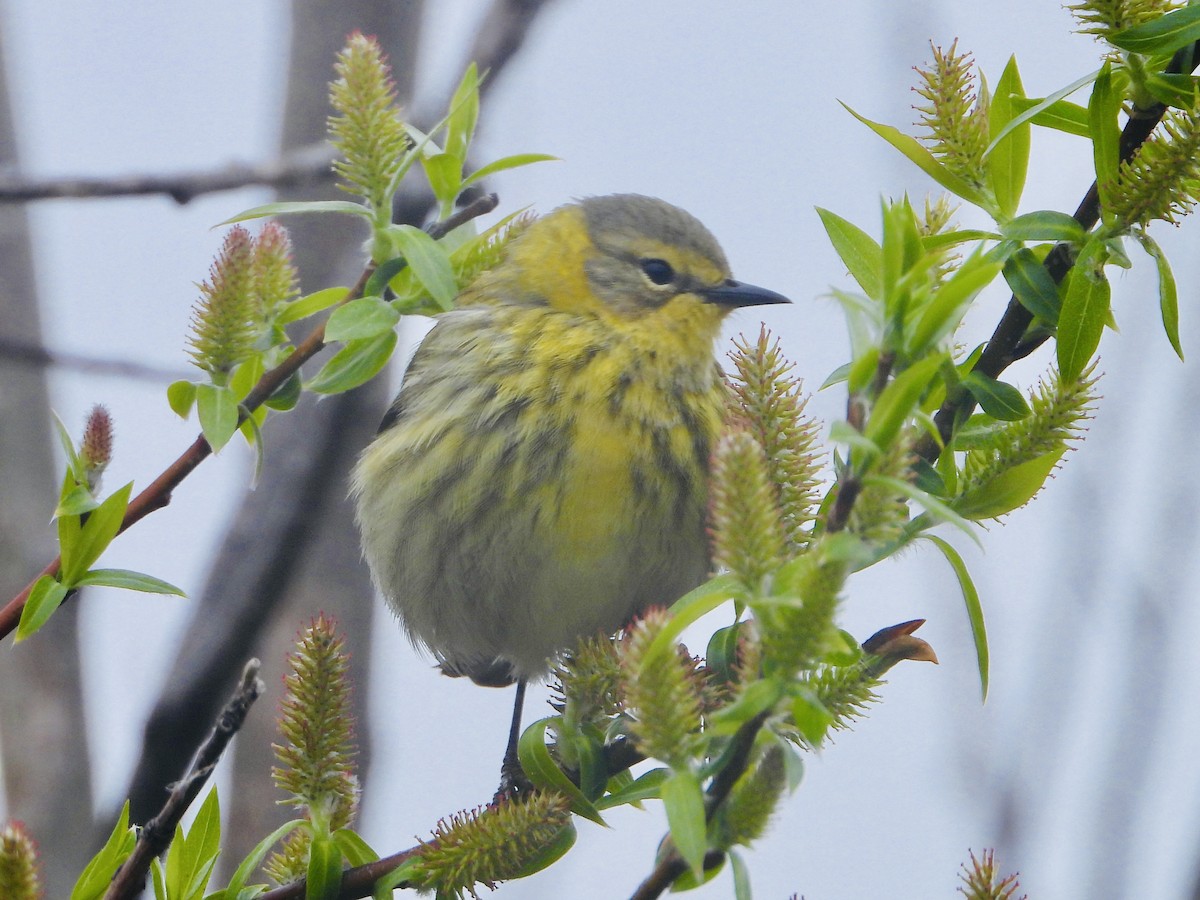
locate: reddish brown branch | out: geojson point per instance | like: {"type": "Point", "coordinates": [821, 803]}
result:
{"type": "Point", "coordinates": [157, 494]}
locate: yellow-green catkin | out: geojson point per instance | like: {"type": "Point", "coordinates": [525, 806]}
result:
{"type": "Point", "coordinates": [747, 530]}
{"type": "Point", "coordinates": [661, 691]}
{"type": "Point", "coordinates": [224, 325]}
{"type": "Point", "coordinates": [769, 401]}
{"type": "Point", "coordinates": [490, 845]}
{"type": "Point", "coordinates": [19, 876]}
{"type": "Point", "coordinates": [316, 755]}
{"type": "Point", "coordinates": [956, 114]}
{"type": "Point", "coordinates": [367, 130]}
{"type": "Point", "coordinates": [982, 881]}
{"type": "Point", "coordinates": [744, 816]}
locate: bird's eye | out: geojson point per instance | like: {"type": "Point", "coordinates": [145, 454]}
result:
{"type": "Point", "coordinates": [658, 270]}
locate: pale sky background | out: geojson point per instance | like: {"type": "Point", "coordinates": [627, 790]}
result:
{"type": "Point", "coordinates": [731, 113]}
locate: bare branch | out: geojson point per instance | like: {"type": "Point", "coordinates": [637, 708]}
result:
{"type": "Point", "coordinates": [156, 836]}
{"type": "Point", "coordinates": [307, 166]}
{"type": "Point", "coordinates": [36, 355]}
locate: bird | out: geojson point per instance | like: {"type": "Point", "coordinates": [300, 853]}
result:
{"type": "Point", "coordinates": [541, 476]}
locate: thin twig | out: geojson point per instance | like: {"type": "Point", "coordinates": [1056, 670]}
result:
{"type": "Point", "coordinates": [158, 493]}
{"type": "Point", "coordinates": [20, 352]}
{"type": "Point", "coordinates": [310, 165]}
{"type": "Point", "coordinates": [356, 883]}
{"type": "Point", "coordinates": [672, 865]}
{"type": "Point", "coordinates": [156, 836]}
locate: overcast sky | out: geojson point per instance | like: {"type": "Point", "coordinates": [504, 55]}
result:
{"type": "Point", "coordinates": [731, 112]}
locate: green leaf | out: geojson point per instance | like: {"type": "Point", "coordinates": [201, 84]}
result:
{"type": "Point", "coordinates": [404, 872]}
{"type": "Point", "coordinates": [323, 877]}
{"type": "Point", "coordinates": [932, 505]}
{"type": "Point", "coordinates": [999, 399]}
{"type": "Point", "coordinates": [721, 655]}
{"type": "Point", "coordinates": [1064, 116]}
{"type": "Point", "coordinates": [217, 408]}
{"type": "Point", "coordinates": [75, 502]}
{"type": "Point", "coordinates": [464, 113]}
{"type": "Point", "coordinates": [810, 716]}
{"type": "Point", "coordinates": [899, 399]}
{"type": "Point", "coordinates": [684, 801]}
{"type": "Point", "coordinates": [251, 430]}
{"type": "Point", "coordinates": [902, 248]}
{"type": "Point", "coordinates": [95, 535]}
{"type": "Point", "coordinates": [841, 432]}
{"type": "Point", "coordinates": [287, 395]}
{"type": "Point", "coordinates": [156, 875]}
{"type": "Point", "coordinates": [1085, 309]}
{"type": "Point", "coordinates": [245, 376]}
{"type": "Point", "coordinates": [1175, 90]}
{"type": "Point", "coordinates": [1163, 35]}
{"type": "Point", "coordinates": [1032, 285]}
{"type": "Point", "coordinates": [505, 163]}
{"type": "Point", "coordinates": [861, 255]}
{"type": "Point", "coordinates": [926, 161]}
{"type": "Point", "coordinates": [310, 304]}
{"type": "Point", "coordinates": [946, 239]}
{"type": "Point", "coordinates": [1037, 109]}
{"type": "Point", "coordinates": [289, 207]}
{"type": "Point", "coordinates": [691, 607]}
{"type": "Point", "coordinates": [1009, 490]}
{"type": "Point", "coordinates": [191, 857]}
{"type": "Point", "coordinates": [127, 580]}
{"type": "Point", "coordinates": [837, 376]}
{"type": "Point", "coordinates": [1168, 294]}
{"type": "Point", "coordinates": [93, 882]}
{"type": "Point", "coordinates": [355, 850]}
{"type": "Point", "coordinates": [258, 854]}
{"type": "Point", "coordinates": [972, 604]}
{"type": "Point", "coordinates": [74, 464]}
{"type": "Point", "coordinates": [564, 840]}
{"type": "Point", "coordinates": [593, 771]}
{"type": "Point", "coordinates": [862, 370]}
{"type": "Point", "coordinates": [1103, 108]}
{"type": "Point", "coordinates": [757, 696]}
{"type": "Point", "coordinates": [951, 302]}
{"type": "Point", "coordinates": [47, 595]}
{"type": "Point", "coordinates": [544, 772]}
{"type": "Point", "coordinates": [180, 397]}
{"type": "Point", "coordinates": [205, 834]}
{"type": "Point", "coordinates": [444, 172]}
{"type": "Point", "coordinates": [647, 786]}
{"type": "Point", "coordinates": [1044, 225]}
{"type": "Point", "coordinates": [357, 362]}
{"type": "Point", "coordinates": [1008, 161]}
{"type": "Point", "coordinates": [429, 263]}
{"type": "Point", "coordinates": [359, 319]}
{"type": "Point", "coordinates": [741, 877]}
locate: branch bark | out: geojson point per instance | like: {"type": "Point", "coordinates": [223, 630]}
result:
{"type": "Point", "coordinates": [156, 836]}
{"type": "Point", "coordinates": [304, 167]}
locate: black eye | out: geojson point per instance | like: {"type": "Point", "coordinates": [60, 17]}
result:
{"type": "Point", "coordinates": [658, 270]}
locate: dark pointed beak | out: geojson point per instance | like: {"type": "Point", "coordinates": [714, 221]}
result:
{"type": "Point", "coordinates": [735, 293]}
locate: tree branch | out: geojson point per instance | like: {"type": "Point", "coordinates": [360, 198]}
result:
{"type": "Point", "coordinates": [1007, 343]}
{"type": "Point", "coordinates": [671, 866]}
{"type": "Point", "coordinates": [158, 493]}
{"type": "Point", "coordinates": [35, 355]}
{"type": "Point", "coordinates": [310, 165]}
{"type": "Point", "coordinates": [156, 836]}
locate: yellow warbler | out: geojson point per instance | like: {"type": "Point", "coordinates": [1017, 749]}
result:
{"type": "Point", "coordinates": [542, 474]}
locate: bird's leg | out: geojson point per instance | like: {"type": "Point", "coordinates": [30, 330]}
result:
{"type": "Point", "coordinates": [513, 782]}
